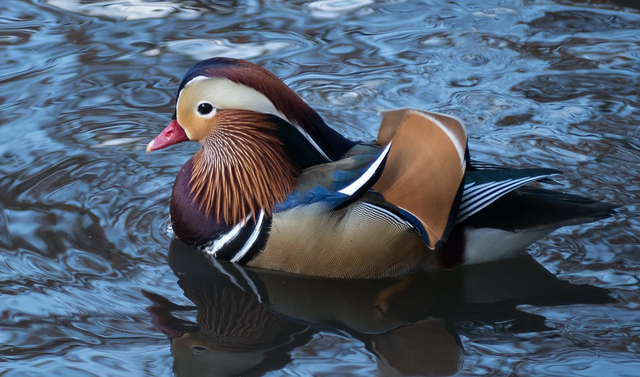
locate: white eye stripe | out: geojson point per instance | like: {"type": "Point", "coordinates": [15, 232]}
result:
{"type": "Point", "coordinates": [223, 93]}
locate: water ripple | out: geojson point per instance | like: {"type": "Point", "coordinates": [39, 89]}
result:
{"type": "Point", "coordinates": [125, 9]}
{"type": "Point", "coordinates": [200, 49]}
{"type": "Point", "coordinates": [84, 211]}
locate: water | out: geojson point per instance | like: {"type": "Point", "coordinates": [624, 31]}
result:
{"type": "Point", "coordinates": [91, 287]}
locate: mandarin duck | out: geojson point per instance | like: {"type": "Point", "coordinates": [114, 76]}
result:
{"type": "Point", "coordinates": [275, 187]}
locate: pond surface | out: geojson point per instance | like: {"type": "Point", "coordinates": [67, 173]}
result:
{"type": "Point", "coordinates": [92, 285]}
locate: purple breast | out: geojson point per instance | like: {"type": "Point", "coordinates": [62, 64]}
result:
{"type": "Point", "coordinates": [190, 223]}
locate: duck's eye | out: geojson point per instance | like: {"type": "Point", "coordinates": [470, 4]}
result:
{"type": "Point", "coordinates": [197, 350]}
{"type": "Point", "coordinates": [205, 108]}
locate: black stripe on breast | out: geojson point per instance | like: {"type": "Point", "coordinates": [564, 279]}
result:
{"type": "Point", "coordinates": [229, 250]}
{"type": "Point", "coordinates": [260, 242]}
{"type": "Point", "coordinates": [246, 238]}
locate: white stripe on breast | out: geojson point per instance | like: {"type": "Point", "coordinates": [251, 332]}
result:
{"type": "Point", "coordinates": [252, 239]}
{"type": "Point", "coordinates": [225, 238]}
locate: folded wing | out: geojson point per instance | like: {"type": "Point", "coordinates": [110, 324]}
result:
{"type": "Point", "coordinates": [425, 168]}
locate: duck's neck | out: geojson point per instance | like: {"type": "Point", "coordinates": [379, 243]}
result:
{"type": "Point", "coordinates": [332, 143]}
{"type": "Point", "coordinates": [241, 171]}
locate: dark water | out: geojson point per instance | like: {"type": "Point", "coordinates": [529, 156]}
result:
{"type": "Point", "coordinates": [89, 283]}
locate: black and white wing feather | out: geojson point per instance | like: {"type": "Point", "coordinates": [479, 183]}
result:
{"type": "Point", "coordinates": [483, 187]}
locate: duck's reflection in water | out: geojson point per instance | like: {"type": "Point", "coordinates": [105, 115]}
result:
{"type": "Point", "coordinates": [248, 321]}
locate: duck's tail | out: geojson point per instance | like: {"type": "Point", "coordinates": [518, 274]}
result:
{"type": "Point", "coordinates": [516, 220]}
{"type": "Point", "coordinates": [531, 208]}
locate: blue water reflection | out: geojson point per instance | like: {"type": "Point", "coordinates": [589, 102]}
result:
{"type": "Point", "coordinates": [248, 321]}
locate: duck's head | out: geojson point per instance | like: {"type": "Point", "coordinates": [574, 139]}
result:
{"type": "Point", "coordinates": [218, 84]}
{"type": "Point", "coordinates": [253, 130]}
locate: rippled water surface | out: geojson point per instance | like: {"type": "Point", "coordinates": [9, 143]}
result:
{"type": "Point", "coordinates": [91, 284]}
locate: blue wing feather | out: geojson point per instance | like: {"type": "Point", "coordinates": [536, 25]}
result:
{"type": "Point", "coordinates": [337, 182]}
{"type": "Point", "coordinates": [318, 193]}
